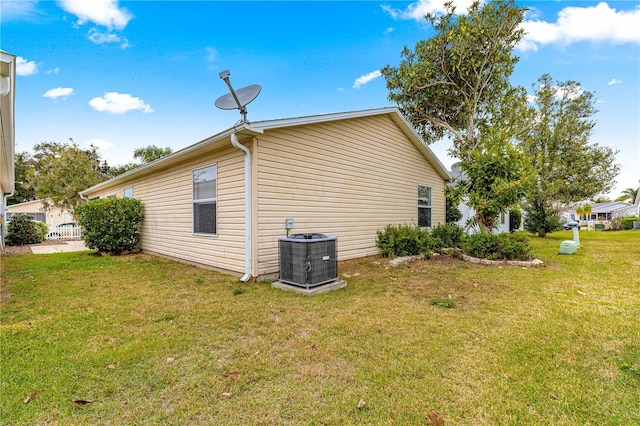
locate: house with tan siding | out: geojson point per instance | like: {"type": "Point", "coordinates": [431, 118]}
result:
{"type": "Point", "coordinates": [39, 210]}
{"type": "Point", "coordinates": [224, 201]}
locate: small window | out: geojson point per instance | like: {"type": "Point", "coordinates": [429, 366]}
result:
{"type": "Point", "coordinates": [503, 218]}
{"type": "Point", "coordinates": [424, 206]}
{"type": "Point", "coordinates": [128, 193]}
{"type": "Point", "coordinates": [205, 200]}
{"type": "Point", "coordinates": [112, 196]}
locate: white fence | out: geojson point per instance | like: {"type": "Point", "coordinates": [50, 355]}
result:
{"type": "Point", "coordinates": [65, 232]}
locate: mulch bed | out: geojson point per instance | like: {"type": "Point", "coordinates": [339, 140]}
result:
{"type": "Point", "coordinates": [26, 249]}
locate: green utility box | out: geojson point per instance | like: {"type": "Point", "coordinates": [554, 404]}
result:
{"type": "Point", "coordinates": [568, 247]}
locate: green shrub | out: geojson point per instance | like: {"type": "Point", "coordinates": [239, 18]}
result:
{"type": "Point", "coordinates": [43, 228]}
{"type": "Point", "coordinates": [450, 235]}
{"type": "Point", "coordinates": [405, 240]}
{"type": "Point", "coordinates": [502, 246]}
{"type": "Point", "coordinates": [22, 229]}
{"type": "Point", "coordinates": [111, 224]}
{"type": "Point", "coordinates": [484, 246]}
{"type": "Point", "coordinates": [514, 246]}
{"type": "Point", "coordinates": [627, 222]}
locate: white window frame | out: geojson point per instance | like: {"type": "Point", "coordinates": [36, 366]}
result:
{"type": "Point", "coordinates": [427, 204]}
{"type": "Point", "coordinates": [128, 192]}
{"type": "Point", "coordinates": [196, 201]}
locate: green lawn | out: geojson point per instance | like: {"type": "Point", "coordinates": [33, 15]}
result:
{"type": "Point", "coordinates": [150, 341]}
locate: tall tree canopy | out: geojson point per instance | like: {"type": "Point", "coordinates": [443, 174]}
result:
{"type": "Point", "coordinates": [457, 82]}
{"type": "Point", "coordinates": [151, 153]}
{"type": "Point", "coordinates": [60, 171]}
{"type": "Point", "coordinates": [568, 166]}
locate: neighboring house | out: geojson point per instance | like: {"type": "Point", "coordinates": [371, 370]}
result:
{"type": "Point", "coordinates": [503, 223]}
{"type": "Point", "coordinates": [225, 201]}
{"type": "Point", "coordinates": [602, 213]}
{"type": "Point", "coordinates": [52, 216]}
{"type": "Point", "coordinates": [7, 133]}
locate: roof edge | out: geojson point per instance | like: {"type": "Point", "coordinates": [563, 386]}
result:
{"type": "Point", "coordinates": [259, 127]}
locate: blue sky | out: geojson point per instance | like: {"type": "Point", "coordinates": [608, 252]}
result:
{"type": "Point", "coordinates": [122, 75]}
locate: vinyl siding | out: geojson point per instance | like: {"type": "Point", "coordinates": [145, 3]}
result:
{"type": "Point", "coordinates": [167, 228]}
{"type": "Point", "coordinates": [347, 178]}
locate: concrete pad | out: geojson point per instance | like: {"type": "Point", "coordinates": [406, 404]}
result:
{"type": "Point", "coordinates": [63, 247]}
{"type": "Point", "coordinates": [324, 288]}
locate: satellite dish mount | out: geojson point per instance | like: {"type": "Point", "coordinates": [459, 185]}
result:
{"type": "Point", "coordinates": [237, 100]}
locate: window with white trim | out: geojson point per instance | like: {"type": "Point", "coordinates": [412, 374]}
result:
{"type": "Point", "coordinates": [205, 200]}
{"type": "Point", "coordinates": [128, 192]}
{"type": "Point", "coordinates": [424, 206]}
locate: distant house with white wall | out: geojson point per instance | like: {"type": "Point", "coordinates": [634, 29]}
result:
{"type": "Point", "coordinates": [468, 214]}
{"type": "Point", "coordinates": [51, 215]}
{"type": "Point", "coordinates": [7, 133]}
{"type": "Point", "coordinates": [603, 213]}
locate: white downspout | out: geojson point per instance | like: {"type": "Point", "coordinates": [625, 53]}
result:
{"type": "Point", "coordinates": [247, 206]}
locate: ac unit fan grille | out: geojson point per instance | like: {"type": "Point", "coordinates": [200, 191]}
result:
{"type": "Point", "coordinates": [308, 262]}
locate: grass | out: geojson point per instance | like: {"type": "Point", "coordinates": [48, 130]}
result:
{"type": "Point", "coordinates": [141, 340]}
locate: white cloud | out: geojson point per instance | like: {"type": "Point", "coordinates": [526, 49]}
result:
{"type": "Point", "coordinates": [119, 103]}
{"type": "Point", "coordinates": [105, 38]}
{"type": "Point", "coordinates": [361, 81]}
{"type": "Point", "coordinates": [614, 81]}
{"type": "Point", "coordinates": [25, 68]}
{"type": "Point", "coordinates": [104, 13]}
{"type": "Point", "coordinates": [99, 143]}
{"type": "Point", "coordinates": [55, 70]}
{"type": "Point", "coordinates": [17, 10]}
{"type": "Point", "coordinates": [419, 9]}
{"type": "Point", "coordinates": [569, 92]}
{"type": "Point", "coordinates": [60, 92]}
{"type": "Point", "coordinates": [212, 53]}
{"type": "Point", "coordinates": [575, 24]}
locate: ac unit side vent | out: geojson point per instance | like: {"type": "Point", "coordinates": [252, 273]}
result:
{"type": "Point", "coordinates": [308, 260]}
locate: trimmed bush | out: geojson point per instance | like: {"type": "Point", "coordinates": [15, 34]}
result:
{"type": "Point", "coordinates": [450, 235]}
{"type": "Point", "coordinates": [502, 246]}
{"type": "Point", "coordinates": [514, 246]}
{"type": "Point", "coordinates": [111, 224]}
{"type": "Point", "coordinates": [22, 229]}
{"type": "Point", "coordinates": [627, 222]}
{"type": "Point", "coordinates": [405, 240]}
{"type": "Point", "coordinates": [44, 228]}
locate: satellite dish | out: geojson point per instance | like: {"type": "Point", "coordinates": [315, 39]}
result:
{"type": "Point", "coordinates": [245, 96]}
{"type": "Point", "coordinates": [237, 100]}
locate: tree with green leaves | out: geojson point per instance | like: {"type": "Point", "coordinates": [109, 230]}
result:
{"type": "Point", "coordinates": [456, 84]}
{"type": "Point", "coordinates": [60, 171]}
{"type": "Point", "coordinates": [498, 177]}
{"type": "Point", "coordinates": [629, 195]}
{"type": "Point", "coordinates": [568, 167]}
{"type": "Point", "coordinates": [22, 193]}
{"type": "Point", "coordinates": [151, 153]}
